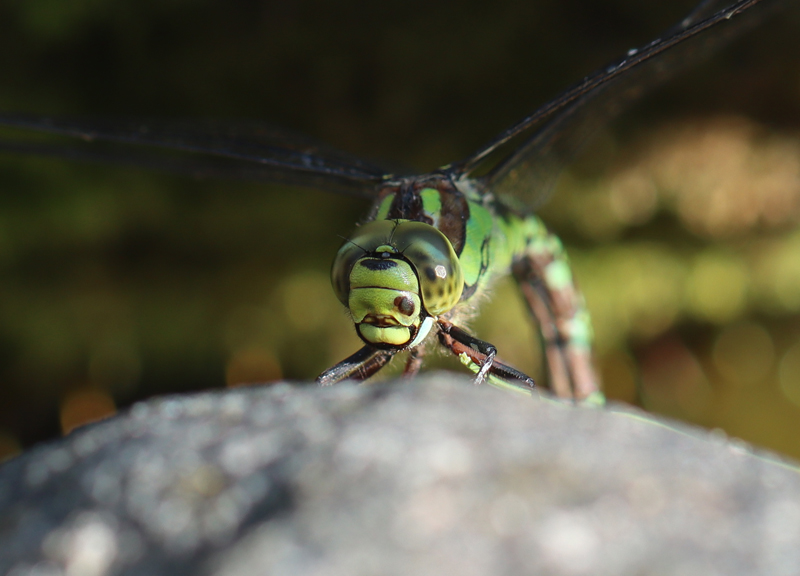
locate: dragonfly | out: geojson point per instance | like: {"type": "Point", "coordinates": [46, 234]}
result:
{"type": "Point", "coordinates": [433, 244]}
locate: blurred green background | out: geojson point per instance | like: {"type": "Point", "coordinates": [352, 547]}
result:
{"type": "Point", "coordinates": [118, 284]}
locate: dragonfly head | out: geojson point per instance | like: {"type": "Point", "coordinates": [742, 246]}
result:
{"type": "Point", "coordinates": [394, 274]}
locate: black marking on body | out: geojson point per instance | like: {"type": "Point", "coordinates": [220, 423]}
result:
{"type": "Point", "coordinates": [407, 205]}
{"type": "Point", "coordinates": [422, 260]}
{"type": "Point", "coordinates": [484, 257]}
{"type": "Point", "coordinates": [375, 264]}
{"type": "Point", "coordinates": [469, 291]}
{"type": "Point", "coordinates": [430, 273]}
{"type": "Point", "coordinates": [453, 217]}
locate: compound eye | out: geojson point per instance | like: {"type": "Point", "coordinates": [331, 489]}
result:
{"type": "Point", "coordinates": [440, 275]}
{"type": "Point", "coordinates": [364, 240]}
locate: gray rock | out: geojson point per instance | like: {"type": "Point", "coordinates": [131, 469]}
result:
{"type": "Point", "coordinates": [434, 476]}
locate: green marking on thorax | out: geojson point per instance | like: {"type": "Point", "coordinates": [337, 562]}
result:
{"type": "Point", "coordinates": [480, 227]}
{"type": "Point", "coordinates": [507, 238]}
{"type": "Point", "coordinates": [383, 209]}
{"type": "Point", "coordinates": [431, 203]}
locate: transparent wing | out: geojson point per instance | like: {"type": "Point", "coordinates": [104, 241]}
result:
{"type": "Point", "coordinates": [224, 149]}
{"type": "Point", "coordinates": [531, 170]}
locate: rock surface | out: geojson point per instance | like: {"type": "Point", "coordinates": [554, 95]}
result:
{"type": "Point", "coordinates": [424, 478]}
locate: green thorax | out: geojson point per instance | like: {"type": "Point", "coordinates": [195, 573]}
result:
{"type": "Point", "coordinates": [487, 234]}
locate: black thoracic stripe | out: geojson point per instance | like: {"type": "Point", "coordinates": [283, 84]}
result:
{"type": "Point", "coordinates": [407, 205]}
{"type": "Point", "coordinates": [468, 292]}
{"type": "Point", "coordinates": [453, 218]}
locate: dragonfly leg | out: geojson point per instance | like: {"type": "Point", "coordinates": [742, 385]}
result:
{"type": "Point", "coordinates": [414, 362]}
{"type": "Point", "coordinates": [359, 366]}
{"type": "Point", "coordinates": [480, 353]}
{"type": "Point", "coordinates": [554, 300]}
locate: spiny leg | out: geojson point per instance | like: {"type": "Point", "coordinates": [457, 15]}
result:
{"type": "Point", "coordinates": [553, 344]}
{"type": "Point", "coordinates": [554, 300]}
{"type": "Point", "coordinates": [359, 366]}
{"type": "Point", "coordinates": [414, 362]}
{"type": "Point", "coordinates": [481, 354]}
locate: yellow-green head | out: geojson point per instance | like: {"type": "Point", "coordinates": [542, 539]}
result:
{"type": "Point", "coordinates": [394, 274]}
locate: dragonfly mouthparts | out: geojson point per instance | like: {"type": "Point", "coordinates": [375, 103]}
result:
{"type": "Point", "coordinates": [381, 320]}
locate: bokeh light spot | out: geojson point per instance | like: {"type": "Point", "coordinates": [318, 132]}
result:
{"type": "Point", "coordinates": [252, 366]}
{"type": "Point", "coordinates": [9, 446]}
{"type": "Point", "coordinates": [744, 353]}
{"type": "Point", "coordinates": [673, 381]}
{"type": "Point", "coordinates": [777, 273]}
{"type": "Point", "coordinates": [83, 406]}
{"type": "Point", "coordinates": [717, 286]}
{"type": "Point", "coordinates": [633, 197]}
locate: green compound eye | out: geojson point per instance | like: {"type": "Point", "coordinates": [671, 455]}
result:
{"type": "Point", "coordinates": [364, 241]}
{"type": "Point", "coordinates": [437, 266]}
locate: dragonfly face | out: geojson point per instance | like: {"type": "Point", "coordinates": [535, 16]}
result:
{"type": "Point", "coordinates": [393, 275]}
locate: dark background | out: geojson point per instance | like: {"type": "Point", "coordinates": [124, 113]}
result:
{"type": "Point", "coordinates": [117, 284]}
